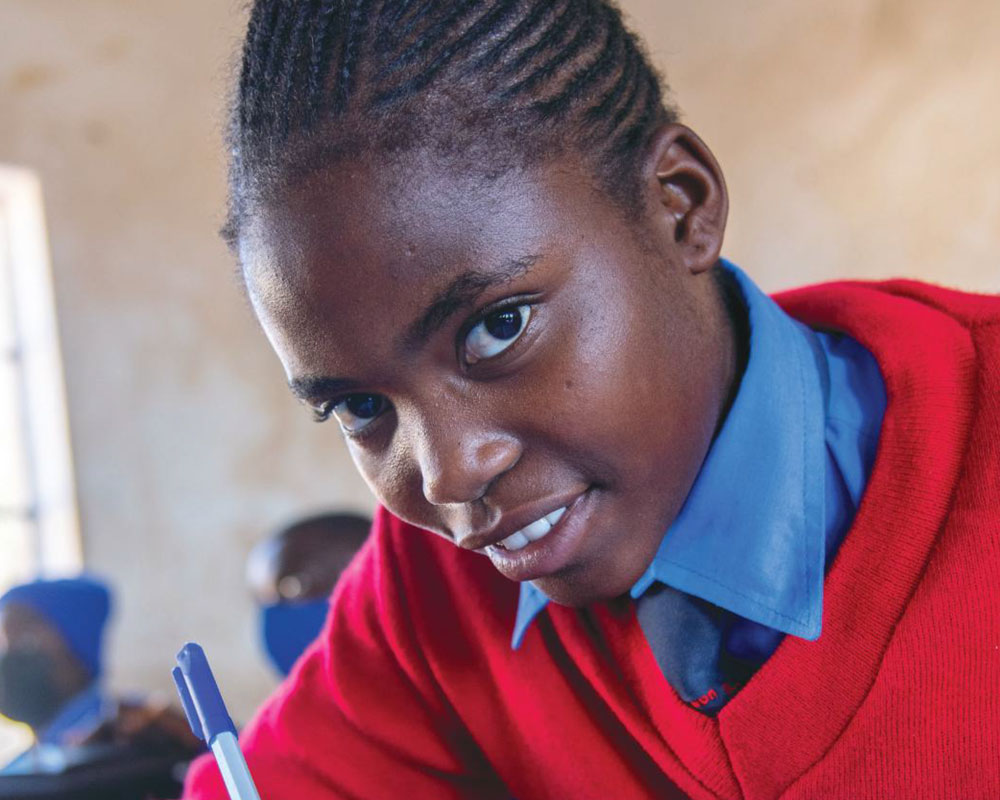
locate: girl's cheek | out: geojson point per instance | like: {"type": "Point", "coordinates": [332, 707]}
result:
{"type": "Point", "coordinates": [395, 481]}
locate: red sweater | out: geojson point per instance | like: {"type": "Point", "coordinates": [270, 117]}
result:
{"type": "Point", "coordinates": [413, 690]}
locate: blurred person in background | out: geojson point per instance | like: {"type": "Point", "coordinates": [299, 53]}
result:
{"type": "Point", "coordinates": [291, 576]}
{"type": "Point", "coordinates": [88, 743]}
{"type": "Point", "coordinates": [51, 664]}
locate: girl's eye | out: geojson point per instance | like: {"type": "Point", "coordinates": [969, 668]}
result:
{"type": "Point", "coordinates": [497, 331]}
{"type": "Point", "coordinates": [356, 411]}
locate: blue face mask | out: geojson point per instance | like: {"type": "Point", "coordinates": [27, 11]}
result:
{"type": "Point", "coordinates": [289, 628]}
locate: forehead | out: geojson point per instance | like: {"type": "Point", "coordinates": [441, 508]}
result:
{"type": "Point", "coordinates": [403, 216]}
{"type": "Point", "coordinates": [315, 560]}
{"type": "Point", "coordinates": [20, 623]}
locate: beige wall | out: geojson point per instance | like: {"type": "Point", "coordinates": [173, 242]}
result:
{"type": "Point", "coordinates": [187, 444]}
{"type": "Point", "coordinates": [860, 138]}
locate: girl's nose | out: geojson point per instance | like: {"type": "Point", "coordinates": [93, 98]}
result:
{"type": "Point", "coordinates": [459, 465]}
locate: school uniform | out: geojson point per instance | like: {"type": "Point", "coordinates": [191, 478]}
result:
{"type": "Point", "coordinates": [413, 688]}
{"type": "Point", "coordinates": [78, 718]}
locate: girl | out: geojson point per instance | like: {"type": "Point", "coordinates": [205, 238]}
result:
{"type": "Point", "coordinates": [477, 238]}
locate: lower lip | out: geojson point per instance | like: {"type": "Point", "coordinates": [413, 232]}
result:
{"type": "Point", "coordinates": [548, 555]}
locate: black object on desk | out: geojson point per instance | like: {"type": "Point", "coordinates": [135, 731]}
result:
{"type": "Point", "coordinates": [102, 772]}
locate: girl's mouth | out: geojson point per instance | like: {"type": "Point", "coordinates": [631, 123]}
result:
{"type": "Point", "coordinates": [531, 533]}
{"type": "Point", "coordinates": [545, 546]}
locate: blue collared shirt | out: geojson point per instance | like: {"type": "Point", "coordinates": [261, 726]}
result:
{"type": "Point", "coordinates": [779, 486]}
{"type": "Point", "coordinates": [80, 716]}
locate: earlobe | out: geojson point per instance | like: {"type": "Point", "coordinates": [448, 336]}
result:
{"type": "Point", "coordinates": [689, 195]}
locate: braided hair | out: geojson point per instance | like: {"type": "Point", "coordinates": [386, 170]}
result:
{"type": "Point", "coordinates": [501, 83]}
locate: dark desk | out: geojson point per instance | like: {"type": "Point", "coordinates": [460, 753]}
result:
{"type": "Point", "coordinates": [102, 772]}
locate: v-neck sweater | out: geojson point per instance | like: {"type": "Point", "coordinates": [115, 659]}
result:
{"type": "Point", "coordinates": [412, 689]}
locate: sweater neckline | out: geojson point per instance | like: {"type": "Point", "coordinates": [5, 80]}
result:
{"type": "Point", "coordinates": [814, 689]}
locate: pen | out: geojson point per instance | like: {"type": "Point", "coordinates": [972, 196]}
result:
{"type": "Point", "coordinates": [209, 720]}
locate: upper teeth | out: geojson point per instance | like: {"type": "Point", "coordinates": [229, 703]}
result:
{"type": "Point", "coordinates": [533, 532]}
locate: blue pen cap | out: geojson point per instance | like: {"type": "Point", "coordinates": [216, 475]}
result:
{"type": "Point", "coordinates": [203, 705]}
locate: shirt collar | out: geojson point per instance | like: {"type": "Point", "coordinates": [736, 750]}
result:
{"type": "Point", "coordinates": [78, 716]}
{"type": "Point", "coordinates": [750, 536]}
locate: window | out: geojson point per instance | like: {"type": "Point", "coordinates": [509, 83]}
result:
{"type": "Point", "coordinates": [39, 532]}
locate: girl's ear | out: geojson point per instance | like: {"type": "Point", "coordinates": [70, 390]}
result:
{"type": "Point", "coordinates": [687, 195]}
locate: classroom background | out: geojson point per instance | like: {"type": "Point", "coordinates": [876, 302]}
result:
{"type": "Point", "coordinates": [148, 435]}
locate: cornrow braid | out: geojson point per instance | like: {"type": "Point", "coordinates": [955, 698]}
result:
{"type": "Point", "coordinates": [511, 82]}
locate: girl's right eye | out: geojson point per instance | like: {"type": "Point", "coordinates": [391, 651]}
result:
{"type": "Point", "coordinates": [354, 412]}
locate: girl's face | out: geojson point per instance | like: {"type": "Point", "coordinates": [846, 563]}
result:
{"type": "Point", "coordinates": [515, 367]}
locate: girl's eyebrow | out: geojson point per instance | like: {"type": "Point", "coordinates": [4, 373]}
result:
{"type": "Point", "coordinates": [462, 292]}
{"type": "Point", "coordinates": [320, 387]}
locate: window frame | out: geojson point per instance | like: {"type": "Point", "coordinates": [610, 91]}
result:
{"type": "Point", "coordinates": [55, 546]}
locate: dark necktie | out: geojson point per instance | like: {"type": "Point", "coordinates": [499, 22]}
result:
{"type": "Point", "coordinates": [688, 637]}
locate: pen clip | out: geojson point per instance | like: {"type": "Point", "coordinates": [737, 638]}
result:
{"type": "Point", "coordinates": [188, 704]}
{"type": "Point", "coordinates": [203, 704]}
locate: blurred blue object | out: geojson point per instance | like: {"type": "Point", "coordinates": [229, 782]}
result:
{"type": "Point", "coordinates": [77, 607]}
{"type": "Point", "coordinates": [287, 629]}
